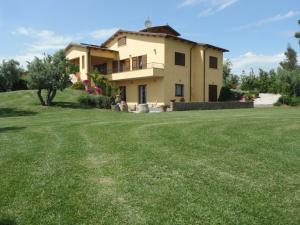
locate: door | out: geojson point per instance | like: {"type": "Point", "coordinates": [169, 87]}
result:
{"type": "Point", "coordinates": [213, 93]}
{"type": "Point", "coordinates": [123, 93]}
{"type": "Point", "coordinates": [142, 94]}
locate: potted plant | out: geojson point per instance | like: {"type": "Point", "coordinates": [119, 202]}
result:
{"type": "Point", "coordinates": [163, 108]}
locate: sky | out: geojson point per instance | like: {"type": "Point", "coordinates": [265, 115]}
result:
{"type": "Point", "coordinates": [256, 32]}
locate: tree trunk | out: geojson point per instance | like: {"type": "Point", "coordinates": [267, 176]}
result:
{"type": "Point", "coordinates": [52, 95]}
{"type": "Point", "coordinates": [49, 93]}
{"type": "Point", "coordinates": [39, 93]}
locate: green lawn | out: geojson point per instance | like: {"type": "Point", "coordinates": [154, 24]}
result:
{"type": "Point", "coordinates": [69, 165]}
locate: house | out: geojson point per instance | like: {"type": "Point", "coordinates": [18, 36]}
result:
{"type": "Point", "coordinates": [154, 65]}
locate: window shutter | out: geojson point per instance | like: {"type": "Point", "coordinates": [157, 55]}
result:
{"type": "Point", "coordinates": [144, 62]}
{"type": "Point", "coordinates": [115, 66]}
{"type": "Point", "coordinates": [127, 65]}
{"type": "Point", "coordinates": [134, 63]}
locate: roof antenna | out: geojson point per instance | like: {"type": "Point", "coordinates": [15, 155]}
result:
{"type": "Point", "coordinates": [148, 23]}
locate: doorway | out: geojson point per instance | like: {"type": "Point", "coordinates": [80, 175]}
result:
{"type": "Point", "coordinates": [123, 93]}
{"type": "Point", "coordinates": [213, 93]}
{"type": "Point", "coordinates": [142, 94]}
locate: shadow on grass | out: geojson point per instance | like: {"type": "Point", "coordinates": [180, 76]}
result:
{"type": "Point", "coordinates": [7, 222]}
{"type": "Point", "coordinates": [12, 112]}
{"type": "Point", "coordinates": [5, 129]}
{"type": "Point", "coordinates": [70, 105]}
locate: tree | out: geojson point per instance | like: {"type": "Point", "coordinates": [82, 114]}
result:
{"type": "Point", "coordinates": [290, 63]}
{"type": "Point", "coordinates": [233, 81]}
{"type": "Point", "coordinates": [249, 82]}
{"type": "Point", "coordinates": [226, 70]}
{"type": "Point", "coordinates": [50, 74]}
{"type": "Point", "coordinates": [264, 81]}
{"type": "Point", "coordinates": [290, 82]}
{"type": "Point", "coordinates": [10, 73]}
{"type": "Point", "coordinates": [297, 34]}
{"type": "Point", "coordinates": [274, 82]}
{"type": "Point", "coordinates": [229, 79]}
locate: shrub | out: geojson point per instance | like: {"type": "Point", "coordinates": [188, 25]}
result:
{"type": "Point", "coordinates": [249, 97]}
{"type": "Point", "coordinates": [78, 86]}
{"type": "Point", "coordinates": [228, 94]}
{"type": "Point", "coordinates": [103, 102]}
{"type": "Point", "coordinates": [21, 84]}
{"type": "Point", "coordinates": [225, 94]}
{"type": "Point", "coordinates": [254, 93]}
{"type": "Point", "coordinates": [288, 100]}
{"type": "Point", "coordinates": [86, 100]}
{"type": "Point", "coordinates": [99, 101]}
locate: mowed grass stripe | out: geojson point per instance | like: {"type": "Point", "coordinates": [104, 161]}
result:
{"type": "Point", "coordinates": [69, 165]}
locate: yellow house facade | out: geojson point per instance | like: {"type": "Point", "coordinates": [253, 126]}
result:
{"type": "Point", "coordinates": [154, 66]}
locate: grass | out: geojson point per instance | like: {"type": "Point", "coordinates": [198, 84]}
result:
{"type": "Point", "coordinates": [70, 165]}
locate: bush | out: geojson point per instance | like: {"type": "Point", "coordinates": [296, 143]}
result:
{"type": "Point", "coordinates": [287, 100]}
{"type": "Point", "coordinates": [254, 93]}
{"type": "Point", "coordinates": [99, 101]}
{"type": "Point", "coordinates": [228, 94]}
{"type": "Point", "coordinates": [87, 100]}
{"type": "Point", "coordinates": [249, 97]}
{"type": "Point", "coordinates": [78, 86]}
{"type": "Point", "coordinates": [21, 84]}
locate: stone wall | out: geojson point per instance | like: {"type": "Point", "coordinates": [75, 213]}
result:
{"type": "Point", "coordinates": [182, 106]}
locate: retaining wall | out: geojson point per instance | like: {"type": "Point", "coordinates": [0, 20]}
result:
{"type": "Point", "coordinates": [182, 106]}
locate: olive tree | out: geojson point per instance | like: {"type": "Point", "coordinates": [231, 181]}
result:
{"type": "Point", "coordinates": [297, 34]}
{"type": "Point", "coordinates": [50, 74]}
{"type": "Point", "coordinates": [10, 72]}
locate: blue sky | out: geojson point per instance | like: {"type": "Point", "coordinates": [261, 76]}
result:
{"type": "Point", "coordinates": [255, 31]}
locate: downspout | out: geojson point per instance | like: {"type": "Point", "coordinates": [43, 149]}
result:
{"type": "Point", "coordinates": [204, 75]}
{"type": "Point", "coordinates": [191, 72]}
{"type": "Point", "coordinates": [89, 61]}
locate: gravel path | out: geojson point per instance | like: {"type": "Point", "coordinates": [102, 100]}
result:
{"type": "Point", "coordinates": [266, 100]}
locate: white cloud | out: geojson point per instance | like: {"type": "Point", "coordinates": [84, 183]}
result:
{"type": "Point", "coordinates": [22, 58]}
{"type": "Point", "coordinates": [276, 18]}
{"type": "Point", "coordinates": [189, 3]}
{"type": "Point", "coordinates": [103, 33]}
{"type": "Point", "coordinates": [254, 61]}
{"type": "Point", "coordinates": [43, 40]}
{"type": "Point", "coordinates": [217, 6]}
{"type": "Point", "coordinates": [210, 6]}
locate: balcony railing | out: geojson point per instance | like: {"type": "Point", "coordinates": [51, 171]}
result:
{"type": "Point", "coordinates": [148, 71]}
{"type": "Point", "coordinates": [152, 65]}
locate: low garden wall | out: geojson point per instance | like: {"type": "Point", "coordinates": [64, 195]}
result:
{"type": "Point", "coordinates": [181, 106]}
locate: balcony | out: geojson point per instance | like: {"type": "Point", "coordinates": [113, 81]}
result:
{"type": "Point", "coordinates": [151, 70]}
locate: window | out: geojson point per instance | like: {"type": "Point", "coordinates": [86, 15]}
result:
{"type": "Point", "coordinates": [179, 59]}
{"type": "Point", "coordinates": [123, 93]}
{"type": "Point", "coordinates": [179, 90]}
{"type": "Point", "coordinates": [115, 65]}
{"type": "Point", "coordinates": [122, 41]}
{"type": "Point", "coordinates": [124, 65]}
{"type": "Point", "coordinates": [82, 62]}
{"type": "Point", "coordinates": [139, 62]}
{"type": "Point", "coordinates": [213, 62]}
